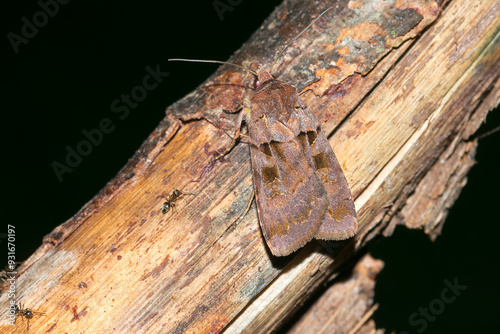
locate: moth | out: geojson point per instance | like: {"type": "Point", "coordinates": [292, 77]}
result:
{"type": "Point", "coordinates": [300, 189]}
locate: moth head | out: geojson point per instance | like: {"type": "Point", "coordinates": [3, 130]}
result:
{"type": "Point", "coordinates": [263, 76]}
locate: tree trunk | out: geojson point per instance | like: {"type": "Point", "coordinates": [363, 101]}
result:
{"type": "Point", "coordinates": [400, 87]}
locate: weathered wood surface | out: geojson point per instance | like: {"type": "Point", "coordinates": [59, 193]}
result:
{"type": "Point", "coordinates": [347, 301]}
{"type": "Point", "coordinates": [401, 120]}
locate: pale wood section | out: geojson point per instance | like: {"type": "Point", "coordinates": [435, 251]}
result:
{"type": "Point", "coordinates": [403, 134]}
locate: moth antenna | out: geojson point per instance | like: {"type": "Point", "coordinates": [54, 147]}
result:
{"type": "Point", "coordinates": [296, 37]}
{"type": "Point", "coordinates": [213, 62]}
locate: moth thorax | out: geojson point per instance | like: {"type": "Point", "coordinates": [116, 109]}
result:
{"type": "Point", "coordinates": [264, 76]}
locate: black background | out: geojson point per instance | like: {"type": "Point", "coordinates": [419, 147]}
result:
{"type": "Point", "coordinates": [64, 80]}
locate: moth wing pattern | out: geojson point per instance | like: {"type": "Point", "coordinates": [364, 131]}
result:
{"type": "Point", "coordinates": [291, 200]}
{"type": "Point", "coordinates": [300, 189]}
{"type": "Point", "coordinates": [289, 213]}
{"type": "Point", "coordinates": [340, 221]}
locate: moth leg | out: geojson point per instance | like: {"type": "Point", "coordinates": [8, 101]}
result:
{"type": "Point", "coordinates": [246, 137]}
{"type": "Point", "coordinates": [230, 147]}
{"type": "Point", "coordinates": [241, 135]}
{"type": "Point", "coordinates": [248, 206]}
{"type": "Point", "coordinates": [246, 76]}
{"type": "Point", "coordinates": [249, 67]}
{"type": "Point", "coordinates": [243, 116]}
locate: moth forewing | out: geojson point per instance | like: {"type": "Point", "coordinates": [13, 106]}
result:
{"type": "Point", "coordinates": [292, 200]}
{"type": "Point", "coordinates": [340, 220]}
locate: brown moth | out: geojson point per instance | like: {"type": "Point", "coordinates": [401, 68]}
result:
{"type": "Point", "coordinates": [300, 188]}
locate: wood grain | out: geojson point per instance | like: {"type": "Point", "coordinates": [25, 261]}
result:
{"type": "Point", "coordinates": [401, 123]}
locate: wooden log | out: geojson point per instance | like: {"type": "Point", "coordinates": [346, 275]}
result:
{"type": "Point", "coordinates": [343, 303]}
{"type": "Point", "coordinates": [400, 120]}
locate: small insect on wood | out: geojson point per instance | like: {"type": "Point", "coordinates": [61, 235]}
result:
{"type": "Point", "coordinates": [27, 313]}
{"type": "Point", "coordinates": [170, 199]}
{"type": "Point", "coordinates": [300, 188]}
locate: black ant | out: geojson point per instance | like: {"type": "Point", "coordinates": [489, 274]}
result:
{"type": "Point", "coordinates": [170, 199]}
{"type": "Point", "coordinates": [26, 313]}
